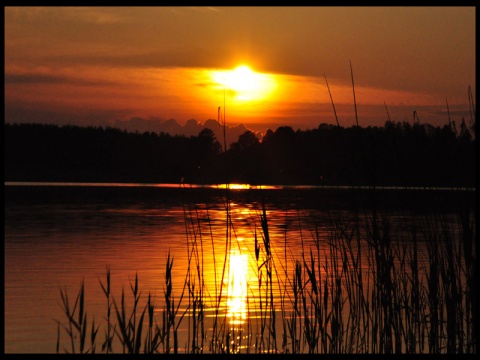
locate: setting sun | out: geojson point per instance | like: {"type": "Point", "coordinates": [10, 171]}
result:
{"type": "Point", "coordinates": [246, 84]}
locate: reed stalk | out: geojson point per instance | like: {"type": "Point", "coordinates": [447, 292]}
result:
{"type": "Point", "coordinates": [388, 115]}
{"type": "Point", "coordinates": [331, 99]}
{"type": "Point", "coordinates": [107, 345]}
{"type": "Point", "coordinates": [473, 115]}
{"type": "Point", "coordinates": [77, 324]}
{"type": "Point", "coordinates": [354, 99]}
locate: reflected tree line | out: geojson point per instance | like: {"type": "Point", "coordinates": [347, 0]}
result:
{"type": "Point", "coordinates": [397, 154]}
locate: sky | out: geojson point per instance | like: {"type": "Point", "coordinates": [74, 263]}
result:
{"type": "Point", "coordinates": [264, 67]}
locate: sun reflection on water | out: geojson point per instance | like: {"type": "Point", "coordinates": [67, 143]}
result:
{"type": "Point", "coordinates": [237, 288]}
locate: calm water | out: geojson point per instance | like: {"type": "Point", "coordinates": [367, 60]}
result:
{"type": "Point", "coordinates": [58, 236]}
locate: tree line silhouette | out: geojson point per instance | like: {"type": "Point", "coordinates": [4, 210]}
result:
{"type": "Point", "coordinates": [397, 154]}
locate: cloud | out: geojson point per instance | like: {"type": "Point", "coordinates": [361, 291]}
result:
{"type": "Point", "coordinates": [36, 78]}
{"type": "Point", "coordinates": [98, 15]}
{"type": "Point", "coordinates": [67, 15]}
{"type": "Point", "coordinates": [205, 9]}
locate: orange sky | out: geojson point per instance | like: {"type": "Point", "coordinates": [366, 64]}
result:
{"type": "Point", "coordinates": [93, 65]}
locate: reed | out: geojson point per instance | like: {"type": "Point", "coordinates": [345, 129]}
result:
{"type": "Point", "coordinates": [129, 330]}
{"type": "Point", "coordinates": [331, 99]}
{"type": "Point", "coordinates": [471, 102]}
{"type": "Point", "coordinates": [107, 345]}
{"type": "Point", "coordinates": [76, 327]}
{"type": "Point", "coordinates": [388, 115]}
{"type": "Point", "coordinates": [354, 98]}
{"type": "Point", "coordinates": [363, 285]}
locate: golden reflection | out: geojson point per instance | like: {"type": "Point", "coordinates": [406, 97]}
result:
{"type": "Point", "coordinates": [235, 186]}
{"type": "Point", "coordinates": [237, 288]}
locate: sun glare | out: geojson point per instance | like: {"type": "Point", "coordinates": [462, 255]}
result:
{"type": "Point", "coordinates": [246, 84]}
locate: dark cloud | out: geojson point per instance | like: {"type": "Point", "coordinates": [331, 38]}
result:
{"type": "Point", "coordinates": [52, 79]}
{"type": "Point", "coordinates": [24, 112]}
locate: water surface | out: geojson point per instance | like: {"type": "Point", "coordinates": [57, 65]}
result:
{"type": "Point", "coordinates": [58, 236]}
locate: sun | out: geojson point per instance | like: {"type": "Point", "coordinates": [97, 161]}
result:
{"type": "Point", "coordinates": [243, 79]}
{"type": "Point", "coordinates": [244, 83]}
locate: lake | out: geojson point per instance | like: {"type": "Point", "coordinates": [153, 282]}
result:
{"type": "Point", "coordinates": [242, 265]}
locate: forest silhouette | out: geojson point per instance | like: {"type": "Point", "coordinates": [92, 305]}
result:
{"type": "Point", "coordinates": [397, 154]}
